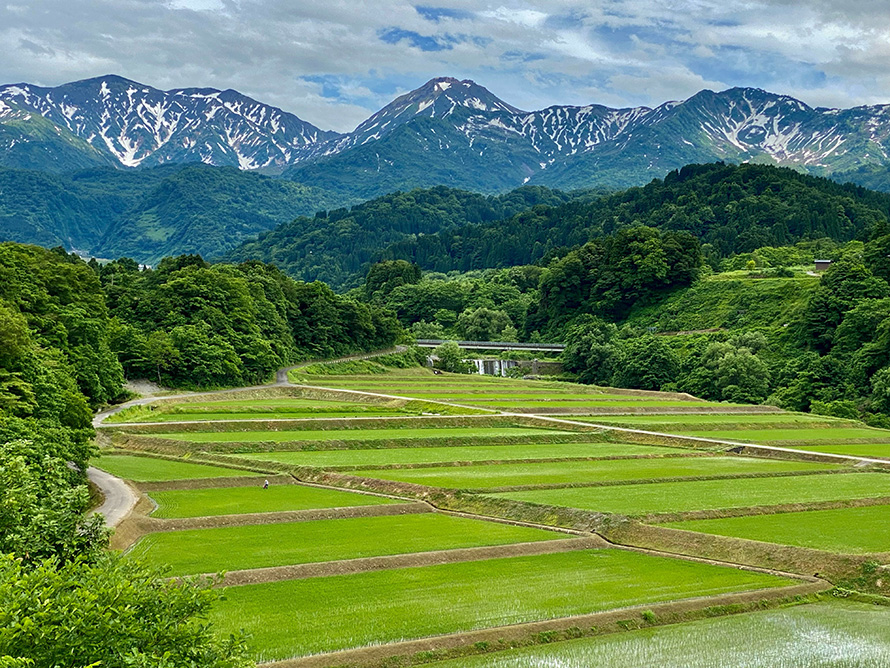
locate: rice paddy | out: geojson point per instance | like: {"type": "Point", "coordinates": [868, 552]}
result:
{"type": "Point", "coordinates": [261, 546]}
{"type": "Point", "coordinates": [354, 434]}
{"type": "Point", "coordinates": [838, 634]}
{"type": "Point", "coordinates": [673, 497]}
{"type": "Point", "coordinates": [508, 475]}
{"type": "Point", "coordinates": [151, 469]}
{"type": "Point", "coordinates": [588, 471]}
{"type": "Point", "coordinates": [300, 617]}
{"type": "Point", "coordinates": [432, 455]}
{"type": "Point", "coordinates": [255, 499]}
{"type": "Point", "coordinates": [849, 530]}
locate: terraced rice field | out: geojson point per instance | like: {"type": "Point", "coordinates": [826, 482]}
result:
{"type": "Point", "coordinates": [150, 469]}
{"type": "Point", "coordinates": [232, 548]}
{"type": "Point", "coordinates": [254, 409]}
{"type": "Point", "coordinates": [838, 634]}
{"type": "Point", "coordinates": [326, 610]}
{"type": "Point", "coordinates": [300, 617]}
{"type": "Point", "coordinates": [509, 475]}
{"type": "Point", "coordinates": [673, 497]}
{"type": "Point", "coordinates": [801, 436]}
{"type": "Point", "coordinates": [848, 530]}
{"type": "Point", "coordinates": [255, 499]}
{"type": "Point", "coordinates": [355, 434]}
{"type": "Point", "coordinates": [475, 453]}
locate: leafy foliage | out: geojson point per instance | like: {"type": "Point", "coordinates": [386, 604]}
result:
{"type": "Point", "coordinates": [148, 213]}
{"type": "Point", "coordinates": [194, 324]}
{"type": "Point", "coordinates": [730, 208]}
{"type": "Point", "coordinates": [110, 612]}
{"type": "Point", "coordinates": [336, 246]}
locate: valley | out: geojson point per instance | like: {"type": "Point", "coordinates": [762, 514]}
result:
{"type": "Point", "coordinates": [482, 530]}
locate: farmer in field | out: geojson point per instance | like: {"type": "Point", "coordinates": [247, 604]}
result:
{"type": "Point", "coordinates": [266, 484]}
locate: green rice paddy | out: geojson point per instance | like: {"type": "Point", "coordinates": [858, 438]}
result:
{"type": "Point", "coordinates": [712, 494]}
{"type": "Point", "coordinates": [234, 548]}
{"type": "Point", "coordinates": [508, 475]}
{"type": "Point", "coordinates": [300, 617]}
{"type": "Point", "coordinates": [851, 530]}
{"type": "Point", "coordinates": [354, 434]}
{"type": "Point", "coordinates": [239, 500]}
{"type": "Point", "coordinates": [253, 409]}
{"type": "Point", "coordinates": [804, 435]}
{"type": "Point", "coordinates": [151, 469]}
{"type": "Point", "coordinates": [823, 635]}
{"type": "Point", "coordinates": [474, 453]}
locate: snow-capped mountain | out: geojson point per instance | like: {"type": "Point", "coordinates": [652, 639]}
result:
{"type": "Point", "coordinates": [447, 131]}
{"type": "Point", "coordinates": [142, 126]}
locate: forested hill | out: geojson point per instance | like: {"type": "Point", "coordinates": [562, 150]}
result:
{"type": "Point", "coordinates": [730, 208]}
{"type": "Point", "coordinates": [149, 213]}
{"type": "Point", "coordinates": [336, 246]}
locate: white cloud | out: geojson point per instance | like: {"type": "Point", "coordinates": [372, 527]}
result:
{"type": "Point", "coordinates": [530, 52]}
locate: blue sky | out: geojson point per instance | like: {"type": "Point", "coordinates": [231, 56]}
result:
{"type": "Point", "coordinates": [335, 62]}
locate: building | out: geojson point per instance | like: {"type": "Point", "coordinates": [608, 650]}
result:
{"type": "Point", "coordinates": [822, 265]}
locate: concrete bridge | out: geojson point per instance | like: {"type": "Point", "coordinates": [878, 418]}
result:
{"type": "Point", "coordinates": [496, 345]}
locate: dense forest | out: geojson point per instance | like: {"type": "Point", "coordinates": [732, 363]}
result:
{"type": "Point", "coordinates": [729, 208]}
{"type": "Point", "coordinates": [149, 213]}
{"type": "Point", "coordinates": [337, 246]}
{"type": "Point", "coordinates": [66, 600]}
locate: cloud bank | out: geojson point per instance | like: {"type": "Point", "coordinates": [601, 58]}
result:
{"type": "Point", "coordinates": [334, 62]}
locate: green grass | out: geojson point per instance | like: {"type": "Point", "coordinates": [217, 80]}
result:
{"type": "Point", "coordinates": [427, 455]}
{"type": "Point", "coordinates": [797, 435]}
{"type": "Point", "coordinates": [300, 617]}
{"type": "Point", "coordinates": [508, 475]}
{"type": "Point", "coordinates": [238, 500]}
{"type": "Point", "coordinates": [352, 434]}
{"type": "Point", "coordinates": [850, 530]}
{"type": "Point", "coordinates": [235, 548]}
{"type": "Point", "coordinates": [838, 634]}
{"type": "Point", "coordinates": [150, 469]}
{"type": "Point", "coordinates": [712, 494]}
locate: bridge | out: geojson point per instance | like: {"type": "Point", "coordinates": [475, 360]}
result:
{"type": "Point", "coordinates": [496, 345]}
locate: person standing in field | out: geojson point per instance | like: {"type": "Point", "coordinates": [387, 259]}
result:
{"type": "Point", "coordinates": [266, 485]}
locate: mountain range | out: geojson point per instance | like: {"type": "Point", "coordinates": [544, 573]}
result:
{"type": "Point", "coordinates": [447, 132]}
{"type": "Point", "coordinates": [109, 151]}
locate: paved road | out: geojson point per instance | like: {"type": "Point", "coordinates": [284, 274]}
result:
{"type": "Point", "coordinates": [119, 496]}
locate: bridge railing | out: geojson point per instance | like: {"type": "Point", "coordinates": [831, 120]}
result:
{"type": "Point", "coordinates": [495, 345]}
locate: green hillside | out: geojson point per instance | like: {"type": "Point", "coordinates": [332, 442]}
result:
{"type": "Point", "coordinates": [149, 213]}
{"type": "Point", "coordinates": [336, 246]}
{"type": "Point", "coordinates": [730, 208]}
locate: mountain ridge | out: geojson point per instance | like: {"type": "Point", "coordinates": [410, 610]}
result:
{"type": "Point", "coordinates": [493, 144]}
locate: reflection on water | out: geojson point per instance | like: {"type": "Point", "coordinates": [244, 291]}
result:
{"type": "Point", "coordinates": [824, 635]}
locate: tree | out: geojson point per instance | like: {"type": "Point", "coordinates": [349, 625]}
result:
{"type": "Point", "coordinates": [646, 363]}
{"type": "Point", "coordinates": [452, 358]}
{"type": "Point", "coordinates": [590, 350]}
{"type": "Point", "coordinates": [482, 324]}
{"type": "Point", "coordinates": [113, 613]}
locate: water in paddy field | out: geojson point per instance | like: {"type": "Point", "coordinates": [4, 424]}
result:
{"type": "Point", "coordinates": [824, 635]}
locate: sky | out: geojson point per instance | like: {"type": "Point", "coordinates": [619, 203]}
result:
{"type": "Point", "coordinates": [335, 62]}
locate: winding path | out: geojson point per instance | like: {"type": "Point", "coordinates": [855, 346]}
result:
{"type": "Point", "coordinates": [120, 498]}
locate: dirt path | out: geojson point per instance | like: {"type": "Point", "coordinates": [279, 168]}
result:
{"type": "Point", "coordinates": [119, 496]}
